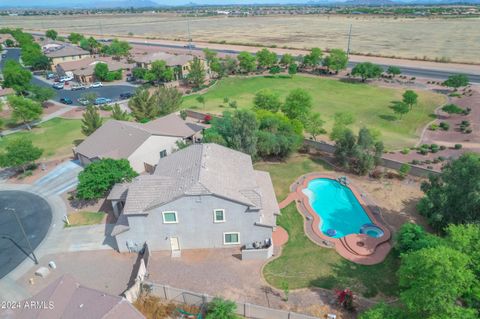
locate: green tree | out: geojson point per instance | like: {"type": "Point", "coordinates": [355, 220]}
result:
{"type": "Point", "coordinates": [19, 153]}
{"type": "Point", "coordinates": [367, 70]}
{"type": "Point", "coordinates": [298, 104]}
{"type": "Point", "coordinates": [159, 72]}
{"type": "Point", "coordinates": [236, 130]}
{"type": "Point", "coordinates": [412, 237]}
{"type": "Point", "coordinates": [143, 105]}
{"type": "Point", "coordinates": [117, 49]}
{"type": "Point", "coordinates": [40, 62]}
{"type": "Point", "coordinates": [210, 55]}
{"type": "Point", "coordinates": [452, 109]}
{"type": "Point", "coordinates": [246, 62]}
{"type": "Point", "coordinates": [100, 176]}
{"type": "Point", "coordinates": [91, 120]}
{"type": "Point", "coordinates": [394, 70]}
{"type": "Point", "coordinates": [404, 170]}
{"type": "Point", "coordinates": [292, 69]}
{"type": "Point", "coordinates": [286, 60]}
{"type": "Point", "coordinates": [314, 58]}
{"type": "Point", "coordinates": [101, 71]}
{"type": "Point", "coordinates": [341, 122]}
{"type": "Point", "coordinates": [314, 125]}
{"type": "Point", "coordinates": [41, 93]}
{"type": "Point", "coordinates": [90, 44]}
{"type": "Point", "coordinates": [410, 98]}
{"type": "Point", "coordinates": [16, 77]}
{"type": "Point", "coordinates": [453, 197]}
{"type": "Point", "coordinates": [24, 110]}
{"type": "Point", "coordinates": [197, 73]}
{"type": "Point", "coordinates": [432, 281]}
{"type": "Point", "coordinates": [139, 73]}
{"type": "Point", "coordinates": [220, 308]}
{"type": "Point", "coordinates": [75, 38]}
{"type": "Point", "coordinates": [345, 148]}
{"type": "Point", "coordinates": [456, 80]}
{"type": "Point", "coordinates": [266, 59]}
{"type": "Point", "coordinates": [266, 99]}
{"type": "Point", "coordinates": [277, 135]}
{"type": "Point", "coordinates": [9, 43]}
{"type": "Point", "coordinates": [336, 60]}
{"type": "Point", "coordinates": [167, 100]}
{"type": "Point", "coordinates": [52, 34]}
{"type": "Point", "coordinates": [119, 114]}
{"type": "Point", "coordinates": [400, 108]}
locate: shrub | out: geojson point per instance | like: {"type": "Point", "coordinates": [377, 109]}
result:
{"type": "Point", "coordinates": [183, 114]}
{"type": "Point", "coordinates": [468, 131]}
{"type": "Point", "coordinates": [405, 151]}
{"type": "Point", "coordinates": [452, 109]}
{"type": "Point", "coordinates": [465, 123]}
{"type": "Point", "coordinates": [207, 119]}
{"type": "Point", "coordinates": [443, 147]}
{"type": "Point", "coordinates": [434, 148]}
{"type": "Point", "coordinates": [423, 151]}
{"type": "Point", "coordinates": [233, 104]}
{"type": "Point", "coordinates": [458, 146]}
{"type": "Point", "coordinates": [428, 161]}
{"type": "Point", "coordinates": [415, 162]}
{"type": "Point", "coordinates": [404, 170]}
{"type": "Point", "coordinates": [433, 127]}
{"type": "Point", "coordinates": [441, 158]}
{"type": "Point", "coordinates": [444, 126]}
{"type": "Point", "coordinates": [435, 161]}
{"type": "Point", "coordinates": [220, 308]}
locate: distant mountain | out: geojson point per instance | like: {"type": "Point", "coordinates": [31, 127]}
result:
{"type": "Point", "coordinates": [369, 2]}
{"type": "Point", "coordinates": [119, 4]}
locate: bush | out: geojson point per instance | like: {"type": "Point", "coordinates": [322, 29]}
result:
{"type": "Point", "coordinates": [443, 147]}
{"type": "Point", "coordinates": [453, 109]}
{"type": "Point", "coordinates": [405, 151]}
{"type": "Point", "coordinates": [458, 146]}
{"type": "Point", "coordinates": [415, 162]}
{"type": "Point", "coordinates": [444, 126]}
{"type": "Point", "coordinates": [441, 158]}
{"type": "Point", "coordinates": [433, 127]}
{"type": "Point", "coordinates": [434, 148]}
{"type": "Point", "coordinates": [423, 151]}
{"type": "Point", "coordinates": [183, 114]}
{"type": "Point", "coordinates": [404, 170]}
{"type": "Point", "coordinates": [220, 308]}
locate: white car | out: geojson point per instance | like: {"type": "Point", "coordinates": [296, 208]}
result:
{"type": "Point", "coordinates": [65, 78]}
{"type": "Point", "coordinates": [96, 85]}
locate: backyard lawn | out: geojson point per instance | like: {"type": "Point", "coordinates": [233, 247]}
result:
{"type": "Point", "coordinates": [369, 103]}
{"type": "Point", "coordinates": [305, 264]}
{"type": "Point", "coordinates": [56, 137]}
{"type": "Point", "coordinates": [85, 218]}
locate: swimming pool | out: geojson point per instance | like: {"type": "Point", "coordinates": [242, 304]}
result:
{"type": "Point", "coordinates": [340, 212]}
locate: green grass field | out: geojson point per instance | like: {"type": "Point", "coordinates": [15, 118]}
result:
{"type": "Point", "coordinates": [56, 137]}
{"type": "Point", "coordinates": [303, 263]}
{"type": "Point", "coordinates": [369, 103]}
{"type": "Point", "coordinates": [85, 218]}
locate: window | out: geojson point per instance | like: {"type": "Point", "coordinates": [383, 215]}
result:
{"type": "Point", "coordinates": [231, 238]}
{"type": "Point", "coordinates": [163, 153]}
{"type": "Point", "coordinates": [169, 217]}
{"type": "Point", "coordinates": [219, 215]}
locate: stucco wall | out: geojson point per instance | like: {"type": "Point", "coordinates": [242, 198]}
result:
{"type": "Point", "coordinates": [149, 152]}
{"type": "Point", "coordinates": [56, 61]}
{"type": "Point", "coordinates": [195, 228]}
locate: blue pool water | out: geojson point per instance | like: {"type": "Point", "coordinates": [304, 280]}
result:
{"type": "Point", "coordinates": [340, 212]}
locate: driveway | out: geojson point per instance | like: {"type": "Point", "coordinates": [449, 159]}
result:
{"type": "Point", "coordinates": [61, 179]}
{"type": "Point", "coordinates": [111, 91]}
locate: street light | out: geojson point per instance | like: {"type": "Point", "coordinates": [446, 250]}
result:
{"type": "Point", "coordinates": [12, 210]}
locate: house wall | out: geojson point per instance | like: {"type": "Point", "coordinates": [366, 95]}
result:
{"type": "Point", "coordinates": [58, 60]}
{"type": "Point", "coordinates": [195, 228]}
{"type": "Point", "coordinates": [149, 151]}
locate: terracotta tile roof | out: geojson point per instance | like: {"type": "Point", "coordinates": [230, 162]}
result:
{"type": "Point", "coordinates": [71, 300]}
{"type": "Point", "coordinates": [65, 51]}
{"type": "Point", "coordinates": [170, 59]}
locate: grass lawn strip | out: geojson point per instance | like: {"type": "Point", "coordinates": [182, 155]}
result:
{"type": "Point", "coordinates": [85, 218]}
{"type": "Point", "coordinates": [369, 103]}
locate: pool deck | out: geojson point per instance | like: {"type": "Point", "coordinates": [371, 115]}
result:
{"type": "Point", "coordinates": [359, 248]}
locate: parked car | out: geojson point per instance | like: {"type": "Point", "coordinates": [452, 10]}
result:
{"type": "Point", "coordinates": [76, 87]}
{"type": "Point", "coordinates": [126, 95]}
{"type": "Point", "coordinates": [65, 78]}
{"type": "Point", "coordinates": [50, 75]}
{"type": "Point", "coordinates": [102, 100]}
{"type": "Point", "coordinates": [58, 85]}
{"type": "Point", "coordinates": [96, 85]}
{"type": "Point", "coordinates": [66, 100]}
{"type": "Point", "coordinates": [83, 101]}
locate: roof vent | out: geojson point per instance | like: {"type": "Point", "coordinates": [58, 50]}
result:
{"type": "Point", "coordinates": [81, 305]}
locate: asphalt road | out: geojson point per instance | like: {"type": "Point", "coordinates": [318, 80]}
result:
{"type": "Point", "coordinates": [108, 91]}
{"type": "Point", "coordinates": [409, 71]}
{"type": "Point", "coordinates": [35, 216]}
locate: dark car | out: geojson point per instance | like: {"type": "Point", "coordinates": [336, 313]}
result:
{"type": "Point", "coordinates": [66, 100]}
{"type": "Point", "coordinates": [125, 96]}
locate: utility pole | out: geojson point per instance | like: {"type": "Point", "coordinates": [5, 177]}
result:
{"type": "Point", "coordinates": [349, 39]}
{"type": "Point", "coordinates": [12, 210]}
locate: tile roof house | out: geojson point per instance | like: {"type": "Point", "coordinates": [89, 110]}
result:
{"type": "Point", "coordinates": [141, 144]}
{"type": "Point", "coordinates": [84, 70]}
{"type": "Point", "coordinates": [65, 298]}
{"type": "Point", "coordinates": [58, 53]}
{"type": "Point", "coordinates": [203, 196]}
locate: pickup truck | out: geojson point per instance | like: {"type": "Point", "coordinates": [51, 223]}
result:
{"type": "Point", "coordinates": [76, 87]}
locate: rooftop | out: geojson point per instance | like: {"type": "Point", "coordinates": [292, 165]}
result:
{"type": "Point", "coordinates": [65, 50]}
{"type": "Point", "coordinates": [170, 59]}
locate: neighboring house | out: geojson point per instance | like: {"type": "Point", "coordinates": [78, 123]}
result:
{"type": "Point", "coordinates": [84, 70]}
{"type": "Point", "coordinates": [4, 93]}
{"type": "Point", "coordinates": [203, 196]}
{"type": "Point", "coordinates": [142, 144]}
{"type": "Point", "coordinates": [179, 62]}
{"type": "Point", "coordinates": [65, 298]}
{"type": "Point", "coordinates": [64, 53]}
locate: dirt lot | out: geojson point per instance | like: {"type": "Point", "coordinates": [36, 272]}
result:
{"type": "Point", "coordinates": [405, 37]}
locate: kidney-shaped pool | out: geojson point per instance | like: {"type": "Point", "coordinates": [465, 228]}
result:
{"type": "Point", "coordinates": [339, 210]}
